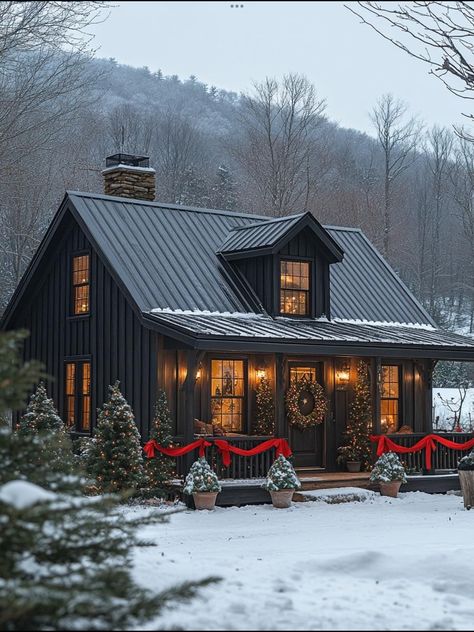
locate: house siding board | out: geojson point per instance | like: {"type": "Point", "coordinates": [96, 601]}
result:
{"type": "Point", "coordinates": [111, 336]}
{"type": "Point", "coordinates": [166, 257]}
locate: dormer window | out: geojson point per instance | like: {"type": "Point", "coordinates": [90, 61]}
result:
{"type": "Point", "coordinates": [80, 285]}
{"type": "Point", "coordinates": [295, 287]}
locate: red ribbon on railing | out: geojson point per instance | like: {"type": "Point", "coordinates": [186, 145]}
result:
{"type": "Point", "coordinates": [428, 443]}
{"type": "Point", "coordinates": [225, 449]}
{"type": "Point", "coordinates": [152, 446]}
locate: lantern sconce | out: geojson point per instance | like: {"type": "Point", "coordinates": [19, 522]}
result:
{"type": "Point", "coordinates": [343, 375]}
{"type": "Point", "coordinates": [198, 373]}
{"type": "Point", "coordinates": [261, 373]}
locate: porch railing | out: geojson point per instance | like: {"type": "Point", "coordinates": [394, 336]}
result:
{"type": "Point", "coordinates": [442, 459]}
{"type": "Point", "coordinates": [241, 467]}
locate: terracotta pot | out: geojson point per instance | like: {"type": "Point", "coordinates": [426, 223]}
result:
{"type": "Point", "coordinates": [353, 466]}
{"type": "Point", "coordinates": [282, 498]}
{"type": "Point", "coordinates": [466, 478]}
{"type": "Point", "coordinates": [390, 489]}
{"type": "Point", "coordinates": [205, 500]}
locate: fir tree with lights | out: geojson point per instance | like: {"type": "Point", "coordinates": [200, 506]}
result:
{"type": "Point", "coordinates": [357, 436]}
{"type": "Point", "coordinates": [161, 468]}
{"type": "Point", "coordinates": [46, 448]}
{"type": "Point", "coordinates": [201, 478]}
{"type": "Point", "coordinates": [116, 458]}
{"type": "Point", "coordinates": [265, 408]}
{"type": "Point", "coordinates": [281, 475]}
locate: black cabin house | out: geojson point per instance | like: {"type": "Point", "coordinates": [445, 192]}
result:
{"type": "Point", "coordinates": [202, 303]}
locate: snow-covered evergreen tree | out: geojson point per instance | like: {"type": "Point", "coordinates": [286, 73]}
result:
{"type": "Point", "coordinates": [194, 189]}
{"type": "Point", "coordinates": [281, 475]}
{"type": "Point", "coordinates": [65, 563]}
{"type": "Point", "coordinates": [160, 469]}
{"type": "Point", "coordinates": [201, 478]}
{"type": "Point", "coordinates": [223, 194]}
{"type": "Point", "coordinates": [46, 448]}
{"type": "Point", "coordinates": [116, 458]}
{"type": "Point", "coordinates": [265, 408]}
{"type": "Point", "coordinates": [41, 414]}
{"type": "Point", "coordinates": [388, 468]}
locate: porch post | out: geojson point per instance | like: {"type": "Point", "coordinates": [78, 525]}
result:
{"type": "Point", "coordinates": [377, 375]}
{"type": "Point", "coordinates": [280, 389]}
{"type": "Point", "coordinates": [186, 400]}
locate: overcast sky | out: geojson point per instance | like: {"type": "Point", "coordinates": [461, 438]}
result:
{"type": "Point", "coordinates": [231, 47]}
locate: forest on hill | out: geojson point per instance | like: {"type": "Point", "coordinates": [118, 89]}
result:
{"type": "Point", "coordinates": [273, 151]}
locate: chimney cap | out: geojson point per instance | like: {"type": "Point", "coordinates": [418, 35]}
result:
{"type": "Point", "coordinates": [131, 160]}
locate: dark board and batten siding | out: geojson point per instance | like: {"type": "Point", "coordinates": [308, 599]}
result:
{"type": "Point", "coordinates": [112, 336]}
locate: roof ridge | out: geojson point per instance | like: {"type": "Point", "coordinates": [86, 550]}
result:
{"type": "Point", "coordinates": [164, 205]}
{"type": "Point", "coordinates": [270, 220]}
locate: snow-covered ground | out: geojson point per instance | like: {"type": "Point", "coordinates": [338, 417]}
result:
{"type": "Point", "coordinates": [382, 564]}
{"type": "Point", "coordinates": [444, 407]}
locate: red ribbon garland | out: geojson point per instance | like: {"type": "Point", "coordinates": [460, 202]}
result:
{"type": "Point", "coordinates": [225, 448]}
{"type": "Point", "coordinates": [152, 446]}
{"type": "Point", "coordinates": [281, 446]}
{"type": "Point", "coordinates": [428, 443]}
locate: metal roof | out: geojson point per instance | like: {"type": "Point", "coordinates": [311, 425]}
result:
{"type": "Point", "coordinates": [261, 327]}
{"type": "Point", "coordinates": [165, 256]}
{"type": "Point", "coordinates": [258, 235]}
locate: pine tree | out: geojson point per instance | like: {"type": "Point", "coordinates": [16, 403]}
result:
{"type": "Point", "coordinates": [65, 563]}
{"type": "Point", "coordinates": [201, 478]}
{"type": "Point", "coordinates": [161, 468]}
{"type": "Point", "coordinates": [357, 436]}
{"type": "Point", "coordinates": [41, 414]}
{"type": "Point", "coordinates": [265, 409]}
{"type": "Point", "coordinates": [47, 457]}
{"type": "Point", "coordinates": [116, 458]}
{"type": "Point", "coordinates": [281, 475]}
{"type": "Point", "coordinates": [194, 189]}
{"type": "Point", "coordinates": [223, 194]}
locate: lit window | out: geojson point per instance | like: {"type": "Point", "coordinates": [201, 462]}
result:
{"type": "Point", "coordinates": [390, 399]}
{"type": "Point", "coordinates": [80, 283]}
{"type": "Point", "coordinates": [78, 396]}
{"type": "Point", "coordinates": [294, 287]}
{"type": "Point", "coordinates": [228, 394]}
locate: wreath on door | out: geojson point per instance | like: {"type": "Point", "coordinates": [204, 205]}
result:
{"type": "Point", "coordinates": [306, 403]}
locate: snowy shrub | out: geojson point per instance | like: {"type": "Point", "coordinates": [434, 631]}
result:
{"type": "Point", "coordinates": [387, 469]}
{"type": "Point", "coordinates": [467, 462]}
{"type": "Point", "coordinates": [201, 478]}
{"type": "Point", "coordinates": [280, 476]}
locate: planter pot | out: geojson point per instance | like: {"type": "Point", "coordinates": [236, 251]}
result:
{"type": "Point", "coordinates": [282, 498]}
{"type": "Point", "coordinates": [205, 500]}
{"type": "Point", "coordinates": [353, 466]}
{"type": "Point", "coordinates": [390, 489]}
{"type": "Point", "coordinates": [466, 478]}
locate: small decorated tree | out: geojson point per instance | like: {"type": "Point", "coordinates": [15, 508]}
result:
{"type": "Point", "coordinates": [203, 484]}
{"type": "Point", "coordinates": [160, 469]}
{"type": "Point", "coordinates": [116, 458]}
{"type": "Point", "coordinates": [357, 436]}
{"type": "Point", "coordinates": [389, 472]}
{"type": "Point", "coordinates": [265, 409]}
{"type": "Point", "coordinates": [281, 475]}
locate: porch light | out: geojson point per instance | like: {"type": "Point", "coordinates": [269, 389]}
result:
{"type": "Point", "coordinates": [261, 373]}
{"type": "Point", "coordinates": [198, 374]}
{"type": "Point", "coordinates": [343, 374]}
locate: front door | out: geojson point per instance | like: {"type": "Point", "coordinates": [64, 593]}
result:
{"type": "Point", "coordinates": [307, 445]}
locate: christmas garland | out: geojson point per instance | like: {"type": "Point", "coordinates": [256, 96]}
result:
{"type": "Point", "coordinates": [293, 396]}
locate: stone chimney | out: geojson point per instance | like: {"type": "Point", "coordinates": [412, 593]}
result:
{"type": "Point", "coordinates": [129, 176]}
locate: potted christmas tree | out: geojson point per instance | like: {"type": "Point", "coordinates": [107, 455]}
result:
{"type": "Point", "coordinates": [203, 484]}
{"type": "Point", "coordinates": [281, 482]}
{"type": "Point", "coordinates": [466, 478]}
{"type": "Point", "coordinates": [355, 453]}
{"type": "Point", "coordinates": [389, 473]}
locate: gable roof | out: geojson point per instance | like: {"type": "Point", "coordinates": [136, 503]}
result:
{"type": "Point", "coordinates": [164, 256]}
{"type": "Point", "coordinates": [270, 235]}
